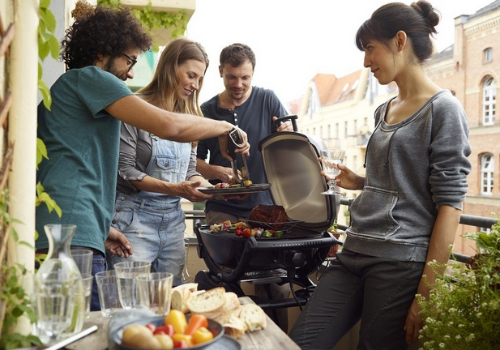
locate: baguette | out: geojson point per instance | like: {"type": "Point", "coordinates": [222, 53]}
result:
{"type": "Point", "coordinates": [235, 327]}
{"type": "Point", "coordinates": [181, 294]}
{"type": "Point", "coordinates": [208, 301]}
{"type": "Point", "coordinates": [253, 316]}
{"type": "Point", "coordinates": [222, 314]}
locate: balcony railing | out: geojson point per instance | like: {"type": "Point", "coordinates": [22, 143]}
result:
{"type": "Point", "coordinates": [478, 221]}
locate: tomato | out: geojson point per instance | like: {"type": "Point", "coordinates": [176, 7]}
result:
{"type": "Point", "coordinates": [177, 337]}
{"type": "Point", "coordinates": [246, 233]}
{"type": "Point", "coordinates": [151, 326]}
{"type": "Point", "coordinates": [195, 322]}
{"type": "Point", "coordinates": [202, 335]}
{"type": "Point", "coordinates": [182, 344]}
{"type": "Point", "coordinates": [177, 319]}
{"type": "Point", "coordinates": [239, 231]}
{"type": "Point", "coordinates": [167, 329]}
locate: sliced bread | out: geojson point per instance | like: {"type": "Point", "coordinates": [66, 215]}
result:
{"type": "Point", "coordinates": [235, 327]}
{"type": "Point", "coordinates": [181, 294]}
{"type": "Point", "coordinates": [253, 316]}
{"type": "Point", "coordinates": [207, 301]}
{"type": "Point", "coordinates": [222, 314]}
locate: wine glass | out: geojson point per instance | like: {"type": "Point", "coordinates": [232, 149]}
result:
{"type": "Point", "coordinates": [330, 158]}
{"type": "Point", "coordinates": [55, 304]}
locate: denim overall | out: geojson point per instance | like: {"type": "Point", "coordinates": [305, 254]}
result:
{"type": "Point", "coordinates": [154, 222]}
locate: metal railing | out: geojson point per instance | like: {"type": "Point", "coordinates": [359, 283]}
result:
{"type": "Point", "coordinates": [471, 220]}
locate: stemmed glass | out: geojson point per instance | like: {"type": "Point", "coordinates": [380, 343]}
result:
{"type": "Point", "coordinates": [55, 304]}
{"type": "Point", "coordinates": [330, 158]}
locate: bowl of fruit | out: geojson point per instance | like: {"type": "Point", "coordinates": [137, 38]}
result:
{"type": "Point", "coordinates": [174, 331]}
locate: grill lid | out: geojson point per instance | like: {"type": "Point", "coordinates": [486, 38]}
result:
{"type": "Point", "coordinates": [292, 167]}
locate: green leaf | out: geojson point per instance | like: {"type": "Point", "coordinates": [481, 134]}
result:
{"type": "Point", "coordinates": [54, 47]}
{"type": "Point", "coordinates": [44, 4]}
{"type": "Point", "coordinates": [44, 90]}
{"type": "Point", "coordinates": [43, 50]}
{"type": "Point", "coordinates": [49, 19]}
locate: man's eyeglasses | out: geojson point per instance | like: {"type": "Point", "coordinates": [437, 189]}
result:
{"type": "Point", "coordinates": [133, 61]}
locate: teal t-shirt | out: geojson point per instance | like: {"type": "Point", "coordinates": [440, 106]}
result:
{"type": "Point", "coordinates": [82, 144]}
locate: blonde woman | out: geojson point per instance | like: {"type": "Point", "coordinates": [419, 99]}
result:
{"type": "Point", "coordinates": [153, 173]}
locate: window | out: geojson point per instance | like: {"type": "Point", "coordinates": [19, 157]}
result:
{"type": "Point", "coordinates": [345, 129]}
{"type": "Point", "coordinates": [337, 130]}
{"type": "Point", "coordinates": [354, 163]}
{"type": "Point", "coordinates": [487, 167]}
{"type": "Point", "coordinates": [487, 55]}
{"type": "Point", "coordinates": [355, 126]}
{"type": "Point", "coordinates": [489, 97]}
{"type": "Point", "coordinates": [329, 136]}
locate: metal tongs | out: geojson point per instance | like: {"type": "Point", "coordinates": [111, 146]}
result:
{"type": "Point", "coordinates": [235, 142]}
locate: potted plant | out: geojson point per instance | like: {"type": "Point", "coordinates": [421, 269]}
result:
{"type": "Point", "coordinates": [463, 310]}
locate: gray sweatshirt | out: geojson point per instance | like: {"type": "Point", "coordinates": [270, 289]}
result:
{"type": "Point", "coordinates": [412, 168]}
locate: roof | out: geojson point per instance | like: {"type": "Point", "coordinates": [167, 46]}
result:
{"type": "Point", "coordinates": [493, 6]}
{"type": "Point", "coordinates": [333, 90]}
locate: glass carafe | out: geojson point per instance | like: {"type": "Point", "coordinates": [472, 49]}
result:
{"type": "Point", "coordinates": [59, 264]}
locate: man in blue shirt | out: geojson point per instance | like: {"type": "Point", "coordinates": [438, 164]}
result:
{"type": "Point", "coordinates": [253, 109]}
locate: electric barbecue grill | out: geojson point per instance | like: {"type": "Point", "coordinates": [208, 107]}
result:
{"type": "Point", "coordinates": [292, 168]}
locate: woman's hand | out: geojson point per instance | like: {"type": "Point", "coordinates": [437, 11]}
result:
{"type": "Point", "coordinates": [187, 189]}
{"type": "Point", "coordinates": [348, 179]}
{"type": "Point", "coordinates": [414, 322]}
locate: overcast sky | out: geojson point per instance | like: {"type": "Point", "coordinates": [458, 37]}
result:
{"type": "Point", "coordinates": [295, 40]}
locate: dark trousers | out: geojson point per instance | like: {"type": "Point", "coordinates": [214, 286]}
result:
{"type": "Point", "coordinates": [377, 291]}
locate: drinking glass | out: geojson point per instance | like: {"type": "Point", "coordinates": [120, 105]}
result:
{"type": "Point", "coordinates": [55, 300]}
{"type": "Point", "coordinates": [330, 158]}
{"type": "Point", "coordinates": [109, 299]}
{"type": "Point", "coordinates": [154, 291]}
{"type": "Point", "coordinates": [126, 273]}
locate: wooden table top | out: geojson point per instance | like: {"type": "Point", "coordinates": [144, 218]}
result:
{"type": "Point", "coordinates": [270, 338]}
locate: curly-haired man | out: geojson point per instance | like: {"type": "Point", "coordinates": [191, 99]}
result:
{"type": "Point", "coordinates": [82, 128]}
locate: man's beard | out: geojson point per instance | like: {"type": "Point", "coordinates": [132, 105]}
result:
{"type": "Point", "coordinates": [111, 68]}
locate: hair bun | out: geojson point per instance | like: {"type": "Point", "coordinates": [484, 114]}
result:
{"type": "Point", "coordinates": [431, 15]}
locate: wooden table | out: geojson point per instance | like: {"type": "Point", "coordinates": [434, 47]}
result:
{"type": "Point", "coordinates": [270, 338]}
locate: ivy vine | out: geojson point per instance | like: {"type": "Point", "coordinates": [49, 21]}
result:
{"type": "Point", "coordinates": [156, 19]}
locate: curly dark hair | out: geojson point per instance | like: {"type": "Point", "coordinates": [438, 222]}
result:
{"type": "Point", "coordinates": [108, 31]}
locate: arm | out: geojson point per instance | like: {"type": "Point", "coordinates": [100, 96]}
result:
{"type": "Point", "coordinates": [443, 235]}
{"type": "Point", "coordinates": [213, 172]}
{"type": "Point", "coordinates": [173, 126]}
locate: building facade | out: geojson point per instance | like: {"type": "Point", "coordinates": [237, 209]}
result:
{"type": "Point", "coordinates": [340, 110]}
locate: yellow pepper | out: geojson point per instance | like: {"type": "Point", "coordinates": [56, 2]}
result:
{"type": "Point", "coordinates": [202, 335]}
{"type": "Point", "coordinates": [178, 320]}
{"type": "Point", "coordinates": [177, 337]}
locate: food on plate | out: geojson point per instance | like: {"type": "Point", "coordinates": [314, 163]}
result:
{"type": "Point", "coordinates": [180, 294]}
{"type": "Point", "coordinates": [131, 331]}
{"type": "Point", "coordinates": [175, 333]}
{"type": "Point", "coordinates": [178, 320]}
{"type": "Point", "coordinates": [206, 301]}
{"type": "Point", "coordinates": [270, 214]}
{"type": "Point", "coordinates": [253, 316]}
{"type": "Point", "coordinates": [244, 230]}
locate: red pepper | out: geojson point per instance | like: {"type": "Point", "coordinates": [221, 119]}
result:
{"type": "Point", "coordinates": [195, 322]}
{"type": "Point", "coordinates": [165, 329]}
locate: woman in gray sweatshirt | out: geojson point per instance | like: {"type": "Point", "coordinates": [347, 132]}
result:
{"type": "Point", "coordinates": [409, 210]}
